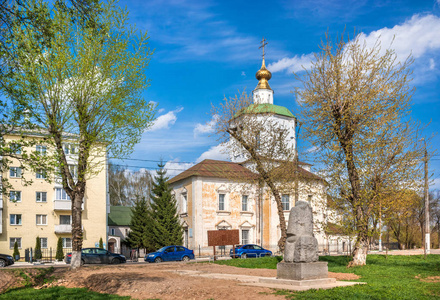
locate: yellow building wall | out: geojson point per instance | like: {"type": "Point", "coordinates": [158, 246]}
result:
{"type": "Point", "coordinates": [94, 216]}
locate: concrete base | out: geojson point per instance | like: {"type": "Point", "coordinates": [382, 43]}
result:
{"type": "Point", "coordinates": [310, 282]}
{"type": "Point", "coordinates": [302, 271]}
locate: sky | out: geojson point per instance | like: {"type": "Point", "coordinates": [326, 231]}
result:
{"type": "Point", "coordinates": [207, 50]}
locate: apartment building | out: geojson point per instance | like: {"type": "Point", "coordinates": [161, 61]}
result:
{"type": "Point", "coordinates": [43, 209]}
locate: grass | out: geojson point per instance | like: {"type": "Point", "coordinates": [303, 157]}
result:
{"type": "Point", "coordinates": [57, 293]}
{"type": "Point", "coordinates": [395, 277]}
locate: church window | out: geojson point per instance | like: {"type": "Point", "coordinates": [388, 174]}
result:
{"type": "Point", "coordinates": [257, 141]}
{"type": "Point", "coordinates": [245, 236]}
{"type": "Point", "coordinates": [244, 203]}
{"type": "Point", "coordinates": [184, 203]}
{"type": "Point", "coordinates": [285, 201]}
{"type": "Point", "coordinates": [221, 201]}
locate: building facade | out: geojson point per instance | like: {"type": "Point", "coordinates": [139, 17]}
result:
{"type": "Point", "coordinates": [119, 220]}
{"type": "Point", "coordinates": [43, 209]}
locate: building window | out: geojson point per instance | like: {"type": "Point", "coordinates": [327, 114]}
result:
{"type": "Point", "coordinates": [43, 242]}
{"type": "Point", "coordinates": [285, 201]}
{"type": "Point", "coordinates": [15, 149]}
{"type": "Point", "coordinates": [221, 201]}
{"type": "Point", "coordinates": [41, 174]}
{"type": "Point", "coordinates": [60, 194]}
{"type": "Point", "coordinates": [73, 169]}
{"type": "Point", "coordinates": [41, 150]}
{"type": "Point", "coordinates": [244, 236]}
{"type": "Point", "coordinates": [184, 203]}
{"type": "Point", "coordinates": [126, 231]}
{"type": "Point", "coordinates": [69, 149]}
{"type": "Point", "coordinates": [112, 231]}
{"type": "Point", "coordinates": [41, 219]}
{"type": "Point", "coordinates": [15, 196]}
{"type": "Point", "coordinates": [41, 196]}
{"type": "Point", "coordinates": [15, 219]}
{"type": "Point", "coordinates": [65, 220]}
{"type": "Point", "coordinates": [244, 203]}
{"type": "Point", "coordinates": [67, 242]}
{"type": "Point", "coordinates": [12, 242]}
{"type": "Point", "coordinates": [15, 172]}
{"type": "Point", "coordinates": [257, 141]}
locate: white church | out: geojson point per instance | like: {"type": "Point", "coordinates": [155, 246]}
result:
{"type": "Point", "coordinates": [208, 199]}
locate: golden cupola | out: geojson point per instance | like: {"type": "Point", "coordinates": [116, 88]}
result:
{"type": "Point", "coordinates": [263, 75]}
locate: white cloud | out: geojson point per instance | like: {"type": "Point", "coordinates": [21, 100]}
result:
{"type": "Point", "coordinates": [206, 128]}
{"type": "Point", "coordinates": [218, 152]}
{"type": "Point", "coordinates": [312, 149]}
{"type": "Point", "coordinates": [435, 184]}
{"type": "Point", "coordinates": [417, 36]}
{"type": "Point", "coordinates": [294, 64]}
{"type": "Point", "coordinates": [432, 63]}
{"type": "Point", "coordinates": [174, 167]}
{"type": "Point", "coordinates": [166, 120]}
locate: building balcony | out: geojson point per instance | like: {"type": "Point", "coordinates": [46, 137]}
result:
{"type": "Point", "coordinates": [64, 205]}
{"type": "Point", "coordinates": [64, 228]}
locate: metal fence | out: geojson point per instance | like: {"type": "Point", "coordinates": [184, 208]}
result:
{"type": "Point", "coordinates": [48, 255]}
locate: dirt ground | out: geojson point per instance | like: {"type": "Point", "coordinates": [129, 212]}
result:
{"type": "Point", "coordinates": [163, 281]}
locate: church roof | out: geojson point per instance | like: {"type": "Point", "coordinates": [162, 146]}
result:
{"type": "Point", "coordinates": [215, 168]}
{"type": "Point", "coordinates": [266, 108]}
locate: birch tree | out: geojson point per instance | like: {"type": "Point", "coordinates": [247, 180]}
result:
{"type": "Point", "coordinates": [84, 82]}
{"type": "Point", "coordinates": [355, 103]}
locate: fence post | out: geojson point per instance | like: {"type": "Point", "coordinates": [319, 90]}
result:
{"type": "Point", "coordinates": [50, 254]}
{"type": "Point", "coordinates": [31, 258]}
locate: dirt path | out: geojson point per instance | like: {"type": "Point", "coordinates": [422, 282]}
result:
{"type": "Point", "coordinates": [165, 281]}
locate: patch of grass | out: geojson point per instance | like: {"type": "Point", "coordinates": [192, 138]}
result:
{"type": "Point", "coordinates": [267, 262]}
{"type": "Point", "coordinates": [395, 277]}
{"type": "Point", "coordinates": [57, 293]}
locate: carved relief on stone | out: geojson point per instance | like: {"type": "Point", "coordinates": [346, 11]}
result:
{"type": "Point", "coordinates": [301, 245]}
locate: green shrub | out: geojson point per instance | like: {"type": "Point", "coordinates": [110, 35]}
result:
{"type": "Point", "coordinates": [59, 255]}
{"type": "Point", "coordinates": [16, 252]}
{"type": "Point", "coordinates": [38, 254]}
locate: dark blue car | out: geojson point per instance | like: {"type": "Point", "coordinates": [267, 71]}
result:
{"type": "Point", "coordinates": [170, 253]}
{"type": "Point", "coordinates": [249, 250]}
{"type": "Point", "coordinates": [97, 256]}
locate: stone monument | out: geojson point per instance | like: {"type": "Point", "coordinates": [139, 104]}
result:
{"type": "Point", "coordinates": [301, 248]}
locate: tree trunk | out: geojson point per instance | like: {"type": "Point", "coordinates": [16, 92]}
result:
{"type": "Point", "coordinates": [360, 251]}
{"type": "Point", "coordinates": [76, 230]}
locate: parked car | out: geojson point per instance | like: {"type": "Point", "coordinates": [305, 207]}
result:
{"type": "Point", "coordinates": [170, 253]}
{"type": "Point", "coordinates": [6, 260]}
{"type": "Point", "coordinates": [249, 250]}
{"type": "Point", "coordinates": [97, 256]}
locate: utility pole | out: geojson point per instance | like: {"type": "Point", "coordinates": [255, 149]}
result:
{"type": "Point", "coordinates": [427, 236]}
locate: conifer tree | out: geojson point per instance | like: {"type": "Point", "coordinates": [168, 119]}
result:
{"type": "Point", "coordinates": [166, 228]}
{"type": "Point", "coordinates": [138, 237]}
{"type": "Point", "coordinates": [101, 244]}
{"type": "Point", "coordinates": [16, 252]}
{"type": "Point", "coordinates": [59, 255]}
{"type": "Point", "coordinates": [38, 254]}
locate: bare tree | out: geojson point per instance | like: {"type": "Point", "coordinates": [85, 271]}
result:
{"type": "Point", "coordinates": [265, 145]}
{"type": "Point", "coordinates": [356, 107]}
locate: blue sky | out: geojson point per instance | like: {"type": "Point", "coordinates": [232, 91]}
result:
{"type": "Point", "coordinates": [205, 50]}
